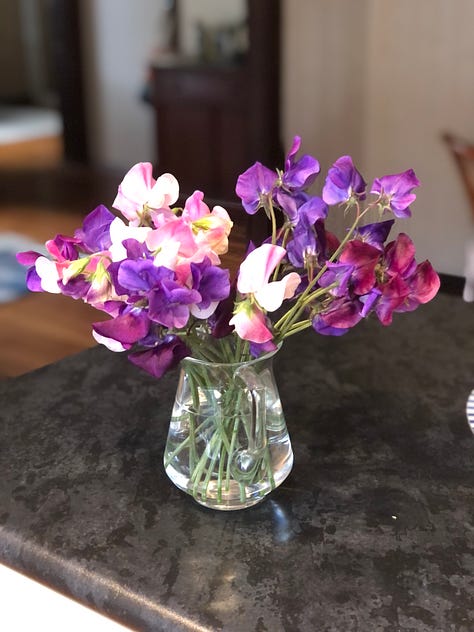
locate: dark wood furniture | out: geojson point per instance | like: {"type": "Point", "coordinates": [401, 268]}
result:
{"type": "Point", "coordinates": [214, 121]}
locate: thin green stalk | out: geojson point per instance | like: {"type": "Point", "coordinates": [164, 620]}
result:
{"type": "Point", "coordinates": [185, 442]}
{"type": "Point", "coordinates": [271, 211]}
{"type": "Point", "coordinates": [210, 470]}
{"type": "Point", "coordinates": [297, 327]}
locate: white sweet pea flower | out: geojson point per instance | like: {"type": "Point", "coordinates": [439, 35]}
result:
{"type": "Point", "coordinates": [119, 232]}
{"type": "Point", "coordinates": [49, 275]}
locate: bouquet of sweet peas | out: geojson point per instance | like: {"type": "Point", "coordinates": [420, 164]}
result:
{"type": "Point", "coordinates": [155, 268]}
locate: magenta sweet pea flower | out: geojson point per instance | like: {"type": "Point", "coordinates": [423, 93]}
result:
{"type": "Point", "coordinates": [338, 317]}
{"type": "Point", "coordinates": [396, 192]}
{"type": "Point", "coordinates": [253, 185]}
{"type": "Point", "coordinates": [343, 182]}
{"type": "Point", "coordinates": [405, 284]}
{"type": "Point", "coordinates": [364, 259]}
{"type": "Point", "coordinates": [64, 248]}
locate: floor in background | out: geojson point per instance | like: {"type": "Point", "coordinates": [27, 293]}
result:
{"type": "Point", "coordinates": [24, 123]}
{"type": "Point", "coordinates": [30, 137]}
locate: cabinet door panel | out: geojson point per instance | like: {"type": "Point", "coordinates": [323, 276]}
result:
{"type": "Point", "coordinates": [184, 147]}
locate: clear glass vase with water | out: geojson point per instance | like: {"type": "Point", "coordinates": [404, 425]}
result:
{"type": "Point", "coordinates": [228, 444]}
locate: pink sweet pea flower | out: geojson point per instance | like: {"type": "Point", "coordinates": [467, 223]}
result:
{"type": "Point", "coordinates": [211, 228]}
{"type": "Point", "coordinates": [140, 194]}
{"type": "Point", "coordinates": [255, 270]}
{"type": "Point", "coordinates": [249, 323]}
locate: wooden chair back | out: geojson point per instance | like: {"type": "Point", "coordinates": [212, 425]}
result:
{"type": "Point", "coordinates": [463, 153]}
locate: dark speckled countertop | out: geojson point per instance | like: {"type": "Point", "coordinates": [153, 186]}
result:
{"type": "Point", "coordinates": [372, 531]}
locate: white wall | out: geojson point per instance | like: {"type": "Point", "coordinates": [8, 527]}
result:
{"type": "Point", "coordinates": [323, 76]}
{"type": "Point", "coordinates": [420, 63]}
{"type": "Point", "coordinates": [381, 80]}
{"type": "Point", "coordinates": [119, 38]}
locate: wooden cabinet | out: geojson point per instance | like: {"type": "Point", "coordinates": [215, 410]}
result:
{"type": "Point", "coordinates": [214, 121]}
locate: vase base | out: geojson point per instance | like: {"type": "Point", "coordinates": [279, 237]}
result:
{"type": "Point", "coordinates": [233, 496]}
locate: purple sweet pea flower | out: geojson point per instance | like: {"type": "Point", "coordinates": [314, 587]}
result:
{"type": "Point", "coordinates": [299, 174]}
{"type": "Point", "coordinates": [169, 303]}
{"type": "Point", "coordinates": [343, 182]}
{"type": "Point", "coordinates": [128, 328]}
{"type": "Point", "coordinates": [304, 247]}
{"type": "Point", "coordinates": [396, 191]}
{"type": "Point", "coordinates": [338, 317]}
{"type": "Point", "coordinates": [313, 209]}
{"type": "Point", "coordinates": [167, 354]}
{"type": "Point", "coordinates": [290, 203]}
{"type": "Point", "coordinates": [28, 258]}
{"type": "Point", "coordinates": [212, 282]}
{"type": "Point", "coordinates": [257, 348]}
{"type": "Point", "coordinates": [339, 273]}
{"type": "Point", "coordinates": [136, 250]}
{"type": "Point", "coordinates": [309, 242]}
{"type": "Point", "coordinates": [95, 232]}
{"type": "Point", "coordinates": [141, 276]}
{"type": "Point", "coordinates": [308, 234]}
{"type": "Point", "coordinates": [254, 184]}
{"type": "Point", "coordinates": [77, 287]}
{"type": "Point", "coordinates": [33, 281]}
{"type": "Point", "coordinates": [369, 301]}
{"type": "Point", "coordinates": [375, 234]}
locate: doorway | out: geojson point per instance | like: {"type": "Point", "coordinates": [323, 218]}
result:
{"type": "Point", "coordinates": [42, 122]}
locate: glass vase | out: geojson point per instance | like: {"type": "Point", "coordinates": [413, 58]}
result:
{"type": "Point", "coordinates": [228, 444]}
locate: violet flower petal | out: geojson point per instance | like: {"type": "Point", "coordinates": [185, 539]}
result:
{"type": "Point", "coordinates": [95, 231]}
{"type": "Point", "coordinates": [342, 182]}
{"type": "Point", "coordinates": [256, 181]}
{"type": "Point", "coordinates": [165, 356]}
{"type": "Point", "coordinates": [397, 191]}
{"type": "Point", "coordinates": [127, 328]}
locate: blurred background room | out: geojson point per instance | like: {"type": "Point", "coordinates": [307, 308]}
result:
{"type": "Point", "coordinates": [203, 88]}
